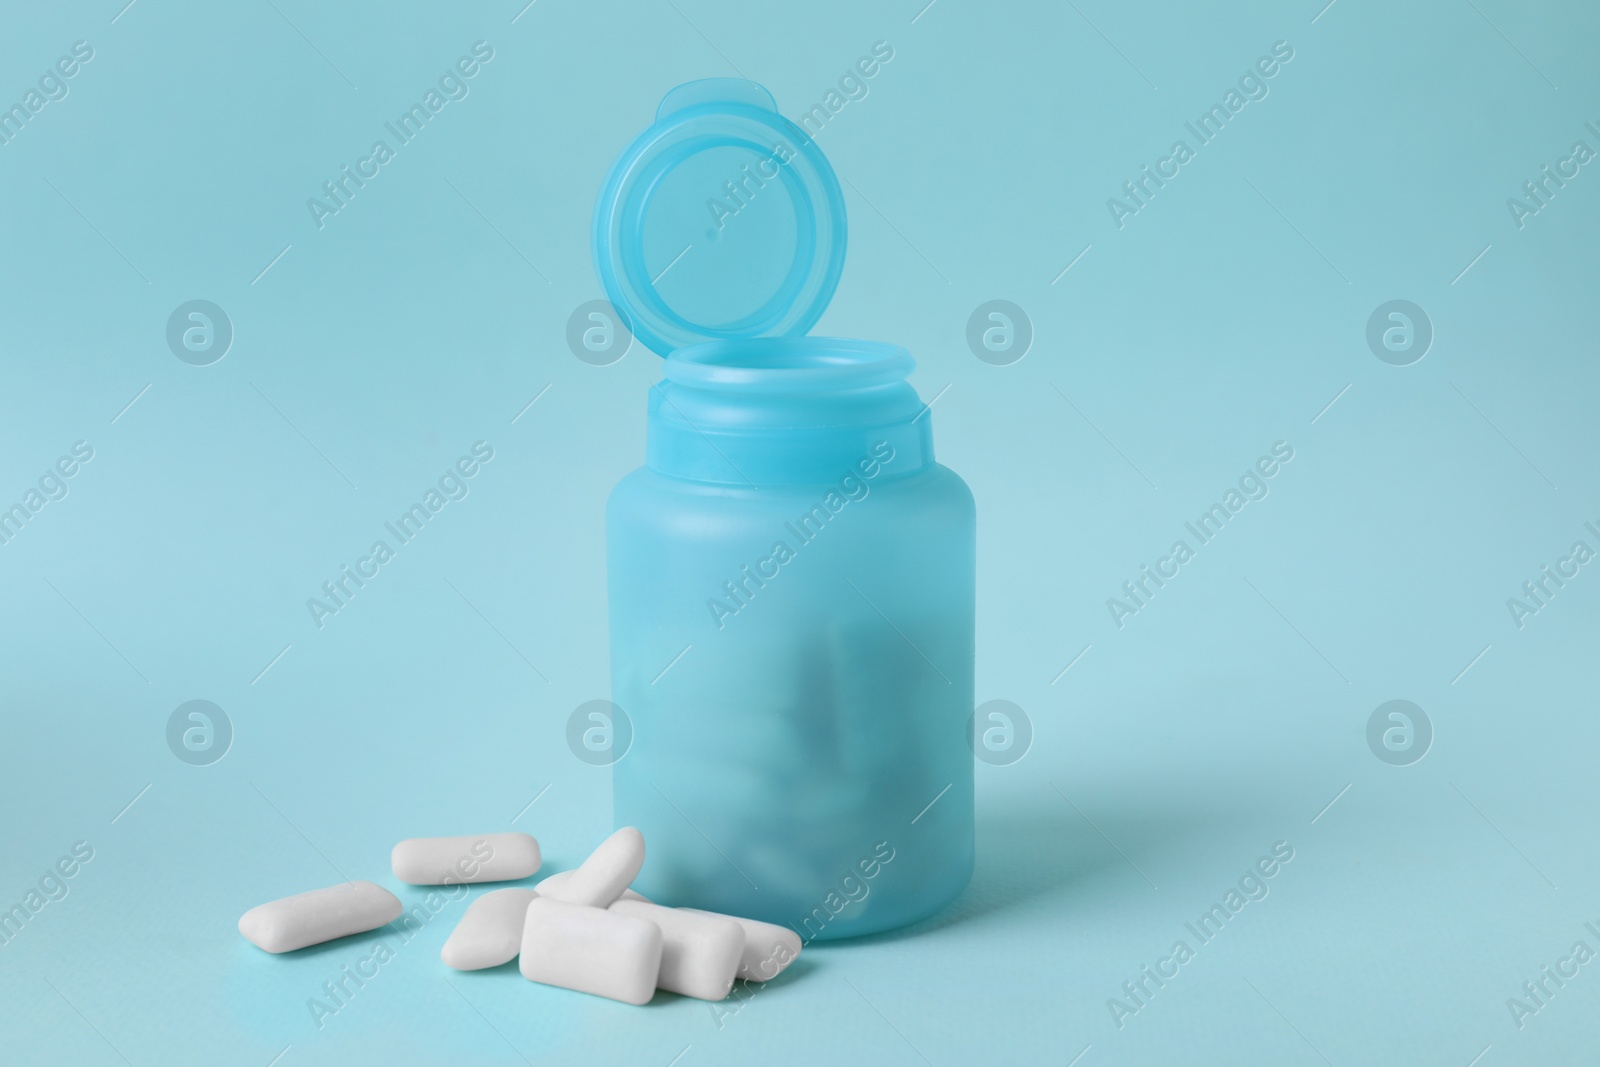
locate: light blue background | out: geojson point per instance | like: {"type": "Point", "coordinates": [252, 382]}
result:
{"type": "Point", "coordinates": [1222, 318]}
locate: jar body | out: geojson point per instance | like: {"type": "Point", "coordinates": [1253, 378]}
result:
{"type": "Point", "coordinates": [794, 651]}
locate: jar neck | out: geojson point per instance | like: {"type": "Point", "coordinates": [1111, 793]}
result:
{"type": "Point", "coordinates": [786, 411]}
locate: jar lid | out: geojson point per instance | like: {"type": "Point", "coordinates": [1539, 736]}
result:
{"type": "Point", "coordinates": [721, 221]}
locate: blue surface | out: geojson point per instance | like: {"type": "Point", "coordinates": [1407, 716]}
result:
{"type": "Point", "coordinates": [1227, 313]}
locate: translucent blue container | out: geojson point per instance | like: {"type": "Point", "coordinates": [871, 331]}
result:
{"type": "Point", "coordinates": [791, 574]}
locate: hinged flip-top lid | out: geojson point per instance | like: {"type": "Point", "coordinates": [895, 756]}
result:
{"type": "Point", "coordinates": [723, 220]}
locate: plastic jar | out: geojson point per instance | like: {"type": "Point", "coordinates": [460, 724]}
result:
{"type": "Point", "coordinates": [791, 574]}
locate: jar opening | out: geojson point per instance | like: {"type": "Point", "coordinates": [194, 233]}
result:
{"type": "Point", "coordinates": [788, 364]}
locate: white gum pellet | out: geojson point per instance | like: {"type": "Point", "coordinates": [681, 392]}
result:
{"type": "Point", "coordinates": [318, 916]}
{"type": "Point", "coordinates": [456, 860]}
{"type": "Point", "coordinates": [555, 888]}
{"type": "Point", "coordinates": [490, 933]}
{"type": "Point", "coordinates": [591, 950]}
{"type": "Point", "coordinates": [700, 951]}
{"type": "Point", "coordinates": [601, 878]}
{"type": "Point", "coordinates": [768, 949]}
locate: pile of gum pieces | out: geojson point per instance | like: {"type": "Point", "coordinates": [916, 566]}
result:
{"type": "Point", "coordinates": [582, 929]}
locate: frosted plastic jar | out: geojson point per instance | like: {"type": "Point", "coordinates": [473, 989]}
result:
{"type": "Point", "coordinates": [790, 574]}
{"type": "Point", "coordinates": [794, 552]}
